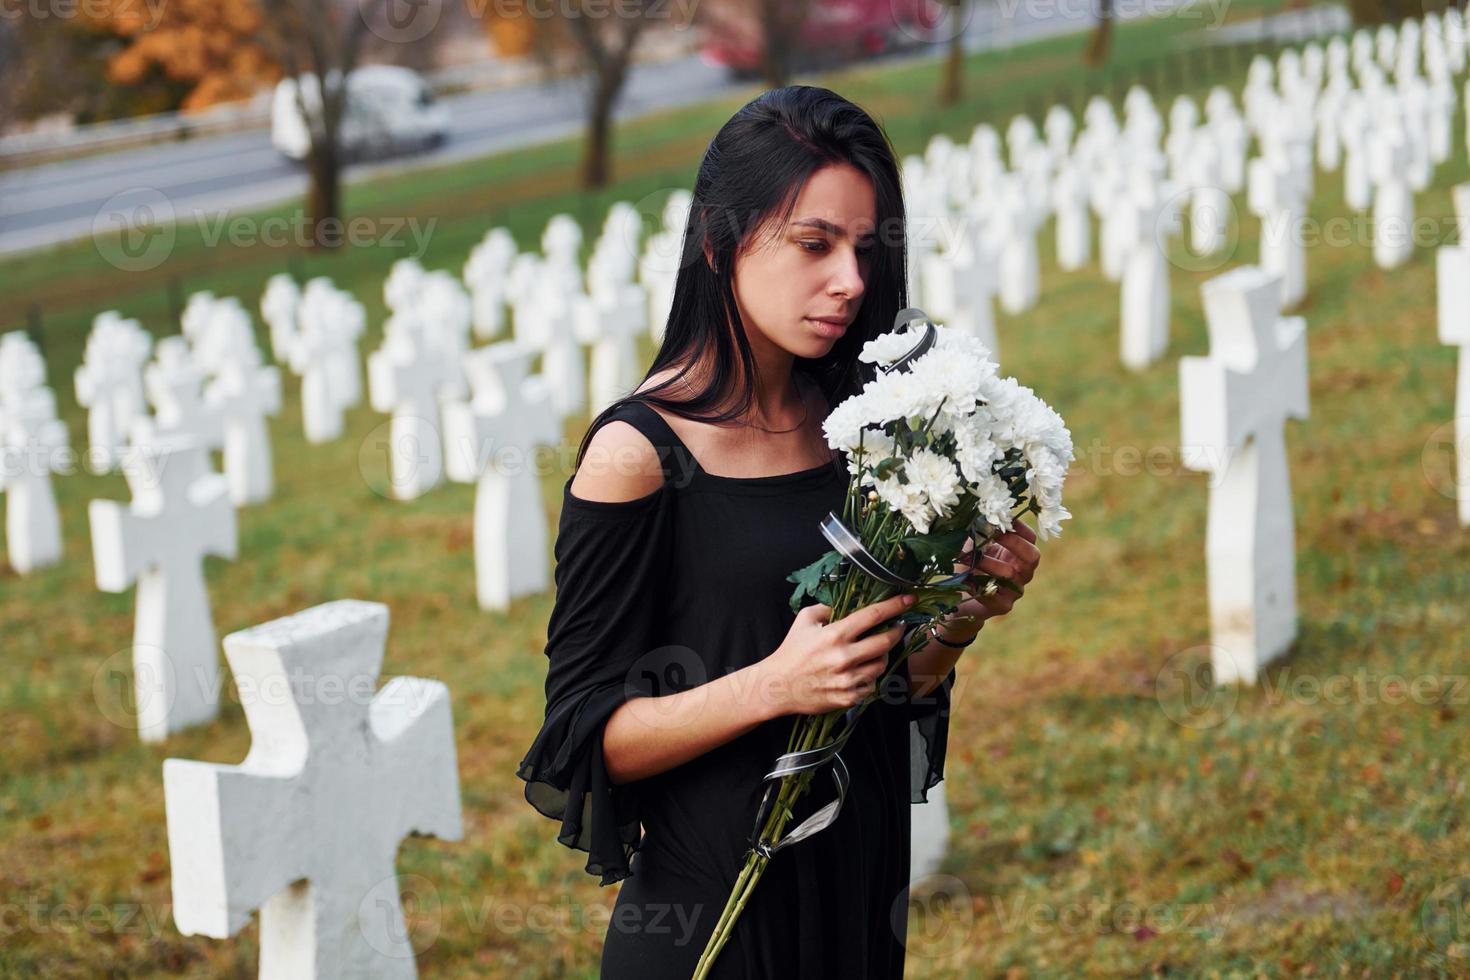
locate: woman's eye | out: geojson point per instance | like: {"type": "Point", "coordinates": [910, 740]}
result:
{"type": "Point", "coordinates": [812, 244]}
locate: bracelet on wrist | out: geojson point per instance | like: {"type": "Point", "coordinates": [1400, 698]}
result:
{"type": "Point", "coordinates": [950, 643]}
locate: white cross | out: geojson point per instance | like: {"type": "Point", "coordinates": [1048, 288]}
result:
{"type": "Point", "coordinates": [175, 386]}
{"type": "Point", "coordinates": [1014, 230]}
{"type": "Point", "coordinates": [180, 513]}
{"type": "Point", "coordinates": [243, 396]}
{"type": "Point", "coordinates": [1233, 406]}
{"type": "Point", "coordinates": [31, 438]}
{"type": "Point", "coordinates": [1393, 200]}
{"type": "Point", "coordinates": [1147, 218]}
{"type": "Point", "coordinates": [510, 415]}
{"type": "Point", "coordinates": [307, 828]}
{"type": "Point", "coordinates": [109, 383]}
{"type": "Point", "coordinates": [279, 306]}
{"type": "Point", "coordinates": [611, 320]}
{"type": "Point", "coordinates": [405, 377]}
{"type": "Point", "coordinates": [22, 368]}
{"type": "Point", "coordinates": [545, 321]}
{"type": "Point", "coordinates": [1453, 268]}
{"type": "Point", "coordinates": [1274, 195]}
{"type": "Point", "coordinates": [959, 288]}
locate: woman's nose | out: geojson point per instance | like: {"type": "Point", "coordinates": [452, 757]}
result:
{"type": "Point", "coordinates": [847, 279]}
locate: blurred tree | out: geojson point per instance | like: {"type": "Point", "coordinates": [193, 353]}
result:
{"type": "Point", "coordinates": [592, 40]}
{"type": "Point", "coordinates": [508, 28]}
{"type": "Point", "coordinates": [212, 45]}
{"type": "Point", "coordinates": [229, 49]}
{"type": "Point", "coordinates": [953, 84]}
{"type": "Point", "coordinates": [1102, 36]}
{"type": "Point", "coordinates": [781, 28]}
{"type": "Point", "coordinates": [322, 39]}
{"type": "Point", "coordinates": [59, 66]}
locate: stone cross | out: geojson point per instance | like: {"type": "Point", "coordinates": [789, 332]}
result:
{"type": "Point", "coordinates": [405, 377]}
{"type": "Point", "coordinates": [109, 383]}
{"type": "Point", "coordinates": [1274, 195]}
{"type": "Point", "coordinates": [307, 828]}
{"type": "Point", "coordinates": [1393, 200]}
{"type": "Point", "coordinates": [491, 441]}
{"type": "Point", "coordinates": [31, 440]}
{"type": "Point", "coordinates": [1453, 267]}
{"type": "Point", "coordinates": [175, 384]}
{"type": "Point", "coordinates": [1148, 212]}
{"type": "Point", "coordinates": [611, 320]}
{"type": "Point", "coordinates": [244, 395]}
{"type": "Point", "coordinates": [180, 513]}
{"type": "Point", "coordinates": [1233, 407]}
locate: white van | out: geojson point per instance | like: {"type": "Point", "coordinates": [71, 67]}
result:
{"type": "Point", "coordinates": [389, 110]}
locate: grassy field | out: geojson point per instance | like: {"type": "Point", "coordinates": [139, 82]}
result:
{"type": "Point", "coordinates": [1103, 825]}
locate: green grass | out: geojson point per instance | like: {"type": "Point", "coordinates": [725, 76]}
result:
{"type": "Point", "coordinates": [1284, 835]}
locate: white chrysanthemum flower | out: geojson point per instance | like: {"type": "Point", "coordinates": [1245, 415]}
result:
{"type": "Point", "coordinates": [937, 475]}
{"type": "Point", "coordinates": [975, 418]}
{"type": "Point", "coordinates": [888, 347]}
{"type": "Point", "coordinates": [909, 499]}
{"type": "Point", "coordinates": [877, 446]}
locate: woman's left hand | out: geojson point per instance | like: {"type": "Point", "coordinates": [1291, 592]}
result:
{"type": "Point", "coordinates": [1013, 555]}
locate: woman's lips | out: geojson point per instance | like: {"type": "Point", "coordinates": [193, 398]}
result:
{"type": "Point", "coordinates": [828, 328]}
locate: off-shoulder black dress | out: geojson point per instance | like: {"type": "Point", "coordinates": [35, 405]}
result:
{"type": "Point", "coordinates": [668, 592]}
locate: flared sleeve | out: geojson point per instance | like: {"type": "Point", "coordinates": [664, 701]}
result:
{"type": "Point", "coordinates": [611, 571]}
{"type": "Point", "coordinates": [928, 738]}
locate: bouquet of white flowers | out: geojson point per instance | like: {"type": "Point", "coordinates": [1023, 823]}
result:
{"type": "Point", "coordinates": [941, 450]}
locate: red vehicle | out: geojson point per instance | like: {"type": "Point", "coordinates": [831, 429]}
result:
{"type": "Point", "coordinates": [832, 32]}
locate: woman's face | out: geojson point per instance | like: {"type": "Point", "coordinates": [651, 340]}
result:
{"type": "Point", "coordinates": [800, 288]}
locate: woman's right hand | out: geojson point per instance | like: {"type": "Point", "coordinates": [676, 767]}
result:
{"type": "Point", "coordinates": [823, 666]}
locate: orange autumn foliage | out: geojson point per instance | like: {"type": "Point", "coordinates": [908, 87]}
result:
{"type": "Point", "coordinates": [510, 29]}
{"type": "Point", "coordinates": [211, 43]}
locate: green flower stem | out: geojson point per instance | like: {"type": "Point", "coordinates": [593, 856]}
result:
{"type": "Point", "coordinates": [812, 731]}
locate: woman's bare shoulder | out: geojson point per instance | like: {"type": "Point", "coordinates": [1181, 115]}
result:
{"type": "Point", "coordinates": [620, 464]}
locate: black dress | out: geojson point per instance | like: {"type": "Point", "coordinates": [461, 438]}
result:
{"type": "Point", "coordinates": [665, 593]}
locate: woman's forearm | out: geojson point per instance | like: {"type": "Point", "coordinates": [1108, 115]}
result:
{"type": "Point", "coordinates": [931, 663]}
{"type": "Point", "coordinates": [649, 735]}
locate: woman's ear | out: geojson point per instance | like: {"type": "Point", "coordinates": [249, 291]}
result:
{"type": "Point", "coordinates": [709, 258]}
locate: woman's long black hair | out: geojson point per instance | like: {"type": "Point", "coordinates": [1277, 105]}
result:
{"type": "Point", "coordinates": [756, 165]}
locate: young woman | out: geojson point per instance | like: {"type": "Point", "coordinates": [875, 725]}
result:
{"type": "Point", "coordinates": [676, 664]}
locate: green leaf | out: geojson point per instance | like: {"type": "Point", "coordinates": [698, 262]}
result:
{"type": "Point", "coordinates": [811, 580]}
{"type": "Point", "coordinates": [936, 548]}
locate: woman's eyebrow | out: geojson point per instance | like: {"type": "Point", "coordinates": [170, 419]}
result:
{"type": "Point", "coordinates": [822, 224]}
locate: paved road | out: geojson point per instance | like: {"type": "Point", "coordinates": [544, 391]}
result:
{"type": "Point", "coordinates": [57, 202]}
